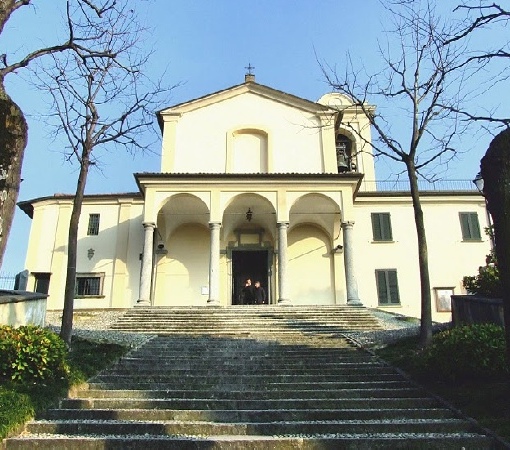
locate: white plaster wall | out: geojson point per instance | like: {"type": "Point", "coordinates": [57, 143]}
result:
{"type": "Point", "coordinates": [41, 239]}
{"type": "Point", "coordinates": [184, 271]}
{"type": "Point", "coordinates": [449, 257]}
{"type": "Point", "coordinates": [28, 312]}
{"type": "Point", "coordinates": [48, 250]}
{"type": "Point", "coordinates": [309, 267]}
{"type": "Point", "coordinates": [293, 135]}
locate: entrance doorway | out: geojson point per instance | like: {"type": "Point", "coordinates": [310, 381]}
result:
{"type": "Point", "coordinates": [251, 264]}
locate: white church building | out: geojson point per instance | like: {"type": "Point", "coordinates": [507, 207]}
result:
{"type": "Point", "coordinates": [257, 183]}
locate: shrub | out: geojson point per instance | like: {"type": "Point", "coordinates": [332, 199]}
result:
{"type": "Point", "coordinates": [15, 409]}
{"type": "Point", "coordinates": [486, 283]}
{"type": "Point", "coordinates": [468, 352]}
{"type": "Point", "coordinates": [30, 353]}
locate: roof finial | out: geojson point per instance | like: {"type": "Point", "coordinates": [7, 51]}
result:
{"type": "Point", "coordinates": [249, 76]}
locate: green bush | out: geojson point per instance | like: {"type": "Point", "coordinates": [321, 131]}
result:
{"type": "Point", "coordinates": [30, 353]}
{"type": "Point", "coordinates": [15, 409]}
{"type": "Point", "coordinates": [486, 283]}
{"type": "Point", "coordinates": [468, 352]}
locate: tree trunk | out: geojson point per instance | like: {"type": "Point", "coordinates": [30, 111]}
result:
{"type": "Point", "coordinates": [495, 171]}
{"type": "Point", "coordinates": [423, 259]}
{"type": "Point", "coordinates": [72, 245]}
{"type": "Point", "coordinates": [13, 140]}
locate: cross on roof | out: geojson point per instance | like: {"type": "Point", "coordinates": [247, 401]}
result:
{"type": "Point", "coordinates": [249, 68]}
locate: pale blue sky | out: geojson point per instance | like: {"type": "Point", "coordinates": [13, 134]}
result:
{"type": "Point", "coordinates": [204, 45]}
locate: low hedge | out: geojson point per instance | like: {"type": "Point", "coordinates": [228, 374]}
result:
{"type": "Point", "coordinates": [463, 353]}
{"type": "Point", "coordinates": [29, 353]}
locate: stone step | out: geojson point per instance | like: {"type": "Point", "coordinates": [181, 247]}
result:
{"type": "Point", "coordinates": [241, 385]}
{"type": "Point", "coordinates": [255, 415]}
{"type": "Point", "coordinates": [248, 358]}
{"type": "Point", "coordinates": [215, 404]}
{"type": "Point", "coordinates": [255, 320]}
{"type": "Point", "coordinates": [115, 380]}
{"type": "Point", "coordinates": [119, 427]}
{"type": "Point", "coordinates": [233, 370]}
{"type": "Point", "coordinates": [254, 378]}
{"type": "Point", "coordinates": [338, 373]}
{"type": "Point", "coordinates": [360, 441]}
{"type": "Point", "coordinates": [332, 394]}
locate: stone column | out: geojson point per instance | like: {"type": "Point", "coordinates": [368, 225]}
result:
{"type": "Point", "coordinates": [283, 296]}
{"type": "Point", "coordinates": [214, 266]}
{"type": "Point", "coordinates": [146, 272]}
{"type": "Point", "coordinates": [350, 275]}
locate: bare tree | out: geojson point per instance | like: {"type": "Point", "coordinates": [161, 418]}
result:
{"type": "Point", "coordinates": [479, 19]}
{"type": "Point", "coordinates": [421, 81]}
{"type": "Point", "coordinates": [81, 39]}
{"type": "Point", "coordinates": [100, 103]}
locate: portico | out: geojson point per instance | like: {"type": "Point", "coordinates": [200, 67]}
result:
{"type": "Point", "coordinates": [295, 222]}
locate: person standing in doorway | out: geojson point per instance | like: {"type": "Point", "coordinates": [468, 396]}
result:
{"type": "Point", "coordinates": [248, 293]}
{"type": "Point", "coordinates": [259, 294]}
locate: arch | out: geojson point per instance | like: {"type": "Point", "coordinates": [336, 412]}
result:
{"type": "Point", "coordinates": [310, 266]}
{"type": "Point", "coordinates": [248, 150]}
{"type": "Point", "coordinates": [178, 209]}
{"type": "Point", "coordinates": [263, 215]}
{"type": "Point", "coordinates": [317, 209]}
{"type": "Point", "coordinates": [346, 150]}
{"type": "Point", "coordinates": [184, 269]}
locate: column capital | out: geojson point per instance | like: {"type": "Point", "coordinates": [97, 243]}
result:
{"type": "Point", "coordinates": [149, 225]}
{"type": "Point", "coordinates": [348, 224]}
{"type": "Point", "coordinates": [214, 225]}
{"type": "Point", "coordinates": [282, 224]}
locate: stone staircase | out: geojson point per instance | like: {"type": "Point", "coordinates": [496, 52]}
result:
{"type": "Point", "coordinates": [254, 320]}
{"type": "Point", "coordinates": [249, 378]}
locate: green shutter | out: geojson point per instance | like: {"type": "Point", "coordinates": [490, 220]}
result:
{"type": "Point", "coordinates": [475, 226]}
{"type": "Point", "coordinates": [387, 287]}
{"type": "Point", "coordinates": [381, 227]}
{"type": "Point", "coordinates": [382, 291]}
{"type": "Point", "coordinates": [386, 227]}
{"type": "Point", "coordinates": [470, 226]}
{"type": "Point", "coordinates": [393, 287]}
{"type": "Point", "coordinates": [376, 227]}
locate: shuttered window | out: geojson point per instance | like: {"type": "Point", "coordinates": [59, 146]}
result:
{"type": "Point", "coordinates": [470, 226]}
{"type": "Point", "coordinates": [387, 287]}
{"type": "Point", "coordinates": [381, 227]}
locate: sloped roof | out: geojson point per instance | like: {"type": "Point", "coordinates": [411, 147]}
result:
{"type": "Point", "coordinates": [27, 206]}
{"type": "Point", "coordinates": [247, 87]}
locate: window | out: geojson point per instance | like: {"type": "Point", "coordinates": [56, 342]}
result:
{"type": "Point", "coordinates": [343, 153]}
{"type": "Point", "coordinates": [470, 226]}
{"type": "Point", "coordinates": [89, 284]}
{"type": "Point", "coordinates": [42, 282]}
{"type": "Point", "coordinates": [387, 287]}
{"type": "Point", "coordinates": [93, 228]}
{"type": "Point", "coordinates": [381, 227]}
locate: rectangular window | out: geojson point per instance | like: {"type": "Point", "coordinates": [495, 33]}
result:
{"type": "Point", "coordinates": [470, 226]}
{"type": "Point", "coordinates": [42, 282]}
{"type": "Point", "coordinates": [93, 228]}
{"type": "Point", "coordinates": [381, 227]}
{"type": "Point", "coordinates": [89, 284]}
{"type": "Point", "coordinates": [387, 287]}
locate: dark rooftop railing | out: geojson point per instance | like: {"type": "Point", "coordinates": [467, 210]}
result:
{"type": "Point", "coordinates": [423, 185]}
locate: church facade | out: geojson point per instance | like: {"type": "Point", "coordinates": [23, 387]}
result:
{"type": "Point", "coordinates": [257, 183]}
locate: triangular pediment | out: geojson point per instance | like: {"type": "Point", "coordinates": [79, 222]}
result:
{"type": "Point", "coordinates": [242, 89]}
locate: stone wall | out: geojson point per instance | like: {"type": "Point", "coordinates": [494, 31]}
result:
{"type": "Point", "coordinates": [22, 308]}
